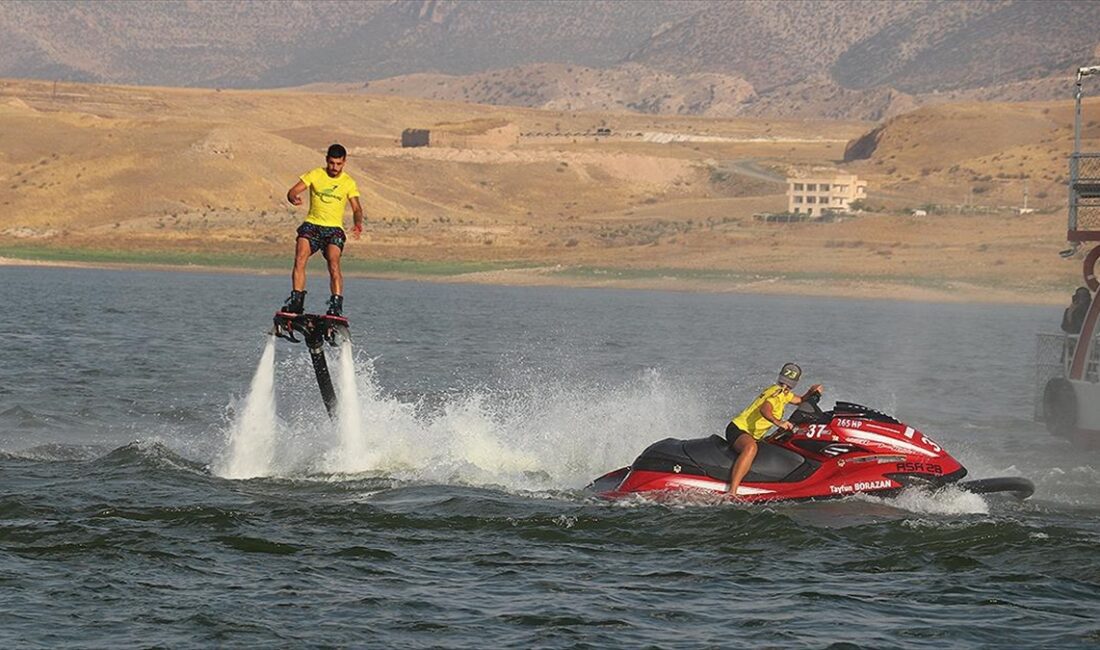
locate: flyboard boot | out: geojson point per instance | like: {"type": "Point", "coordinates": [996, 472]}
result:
{"type": "Point", "coordinates": [335, 306]}
{"type": "Point", "coordinates": [295, 304]}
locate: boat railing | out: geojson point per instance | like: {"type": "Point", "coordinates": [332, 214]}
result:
{"type": "Point", "coordinates": [1084, 195]}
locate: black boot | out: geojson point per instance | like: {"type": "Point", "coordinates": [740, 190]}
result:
{"type": "Point", "coordinates": [336, 306]}
{"type": "Point", "coordinates": [296, 303]}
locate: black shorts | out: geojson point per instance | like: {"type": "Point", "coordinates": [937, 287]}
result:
{"type": "Point", "coordinates": [321, 237]}
{"type": "Point", "coordinates": [732, 431]}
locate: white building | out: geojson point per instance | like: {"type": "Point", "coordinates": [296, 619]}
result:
{"type": "Point", "coordinates": [816, 195]}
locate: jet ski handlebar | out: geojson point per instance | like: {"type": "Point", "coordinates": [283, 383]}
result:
{"type": "Point", "coordinates": [808, 412]}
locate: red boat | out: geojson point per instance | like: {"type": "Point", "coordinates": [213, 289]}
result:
{"type": "Point", "coordinates": [850, 449]}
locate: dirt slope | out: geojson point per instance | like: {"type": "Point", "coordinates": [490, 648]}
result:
{"type": "Point", "coordinates": [198, 172]}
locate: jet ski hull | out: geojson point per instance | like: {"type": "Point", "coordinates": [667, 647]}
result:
{"type": "Point", "coordinates": [850, 450]}
{"type": "Point", "coordinates": [625, 482]}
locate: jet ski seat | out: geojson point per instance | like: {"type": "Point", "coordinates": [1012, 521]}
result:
{"type": "Point", "coordinates": [716, 457]}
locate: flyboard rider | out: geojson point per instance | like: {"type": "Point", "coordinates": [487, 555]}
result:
{"type": "Point", "coordinates": [755, 421]}
{"type": "Point", "coordinates": [330, 189]}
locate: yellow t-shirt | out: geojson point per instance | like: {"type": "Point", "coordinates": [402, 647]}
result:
{"type": "Point", "coordinates": [328, 196]}
{"type": "Point", "coordinates": [753, 422]}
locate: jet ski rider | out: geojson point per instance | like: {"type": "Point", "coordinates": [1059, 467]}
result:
{"type": "Point", "coordinates": [755, 421]}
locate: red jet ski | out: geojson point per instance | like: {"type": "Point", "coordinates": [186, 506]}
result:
{"type": "Point", "coordinates": [850, 449]}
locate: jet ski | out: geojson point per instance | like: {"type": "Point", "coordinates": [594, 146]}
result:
{"type": "Point", "coordinates": [851, 449]}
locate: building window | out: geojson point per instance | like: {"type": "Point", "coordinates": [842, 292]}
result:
{"type": "Point", "coordinates": [811, 199]}
{"type": "Point", "coordinates": [798, 199]}
{"type": "Point", "coordinates": [796, 210]}
{"type": "Point", "coordinates": [811, 187]}
{"type": "Point", "coordinates": [798, 187]}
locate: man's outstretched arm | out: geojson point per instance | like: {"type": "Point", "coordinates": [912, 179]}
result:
{"type": "Point", "coordinates": [816, 388]}
{"type": "Point", "coordinates": [357, 216]}
{"type": "Point", "coordinates": [294, 194]}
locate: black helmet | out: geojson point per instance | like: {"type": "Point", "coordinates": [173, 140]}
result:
{"type": "Point", "coordinates": [789, 375]}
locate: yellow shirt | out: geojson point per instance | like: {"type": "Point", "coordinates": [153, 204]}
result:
{"type": "Point", "coordinates": [328, 196]}
{"type": "Point", "coordinates": [753, 422]}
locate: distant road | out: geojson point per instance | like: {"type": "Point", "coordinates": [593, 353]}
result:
{"type": "Point", "coordinates": [750, 167]}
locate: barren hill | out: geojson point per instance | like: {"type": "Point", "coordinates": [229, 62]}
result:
{"type": "Point", "coordinates": [238, 43]}
{"type": "Point", "coordinates": [108, 172]}
{"type": "Point", "coordinates": [862, 59]}
{"type": "Point", "coordinates": [630, 87]}
{"type": "Point", "coordinates": [995, 151]}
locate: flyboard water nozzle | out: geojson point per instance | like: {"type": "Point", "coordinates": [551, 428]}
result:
{"type": "Point", "coordinates": [316, 330]}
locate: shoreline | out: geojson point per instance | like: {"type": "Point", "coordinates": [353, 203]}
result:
{"type": "Point", "coordinates": [950, 291]}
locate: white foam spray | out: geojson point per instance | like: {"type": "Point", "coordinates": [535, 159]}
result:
{"type": "Point", "coordinates": [251, 448]}
{"type": "Point", "coordinates": [351, 454]}
{"type": "Point", "coordinates": [533, 435]}
{"type": "Point", "coordinates": [948, 500]}
{"type": "Point", "coordinates": [551, 431]}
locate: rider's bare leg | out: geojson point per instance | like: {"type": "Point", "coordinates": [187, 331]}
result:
{"type": "Point", "coordinates": [745, 446]}
{"type": "Point", "coordinates": [335, 276]}
{"type": "Point", "coordinates": [301, 256]}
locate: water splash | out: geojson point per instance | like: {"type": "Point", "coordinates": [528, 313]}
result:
{"type": "Point", "coordinates": [251, 448]}
{"type": "Point", "coordinates": [948, 500]}
{"type": "Point", "coordinates": [351, 454]}
{"type": "Point", "coordinates": [539, 435]}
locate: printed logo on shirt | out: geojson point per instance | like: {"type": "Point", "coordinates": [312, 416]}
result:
{"type": "Point", "coordinates": [328, 194]}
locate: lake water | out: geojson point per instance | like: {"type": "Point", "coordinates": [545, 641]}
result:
{"type": "Point", "coordinates": [459, 521]}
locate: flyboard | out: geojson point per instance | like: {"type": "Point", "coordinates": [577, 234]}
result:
{"type": "Point", "coordinates": [315, 331]}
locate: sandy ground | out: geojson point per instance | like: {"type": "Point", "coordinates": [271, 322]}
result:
{"type": "Point", "coordinates": [173, 175]}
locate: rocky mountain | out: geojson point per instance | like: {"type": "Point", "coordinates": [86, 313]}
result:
{"type": "Point", "coordinates": [240, 43]}
{"type": "Point", "coordinates": [864, 59]}
{"type": "Point", "coordinates": [558, 86]}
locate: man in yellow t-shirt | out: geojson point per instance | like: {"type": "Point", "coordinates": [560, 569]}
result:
{"type": "Point", "coordinates": [330, 189]}
{"type": "Point", "coordinates": [766, 411]}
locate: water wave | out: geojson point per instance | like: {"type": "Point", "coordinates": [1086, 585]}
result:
{"type": "Point", "coordinates": [148, 455]}
{"type": "Point", "coordinates": [58, 452]}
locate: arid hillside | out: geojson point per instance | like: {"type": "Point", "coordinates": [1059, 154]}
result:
{"type": "Point", "coordinates": [853, 59]}
{"type": "Point", "coordinates": [239, 43]}
{"type": "Point", "coordinates": [558, 86]}
{"type": "Point", "coordinates": [110, 172]}
{"type": "Point", "coordinates": [976, 153]}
